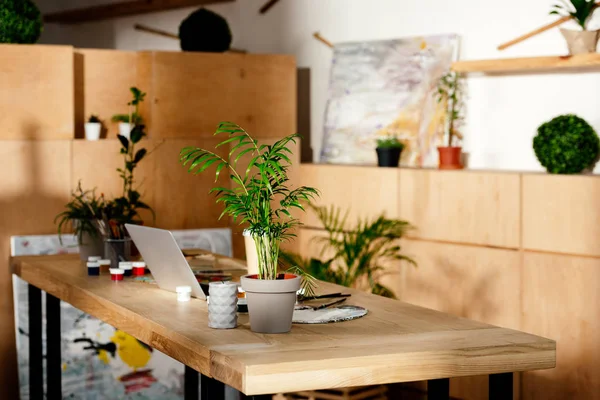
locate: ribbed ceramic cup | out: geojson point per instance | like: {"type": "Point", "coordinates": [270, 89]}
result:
{"type": "Point", "coordinates": [222, 305]}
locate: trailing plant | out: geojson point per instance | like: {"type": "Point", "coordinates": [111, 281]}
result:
{"type": "Point", "coordinates": [566, 145]}
{"type": "Point", "coordinates": [450, 92]}
{"type": "Point", "coordinates": [579, 10]}
{"type": "Point", "coordinates": [125, 209]}
{"type": "Point", "coordinates": [81, 213]}
{"type": "Point", "coordinates": [93, 119]}
{"type": "Point", "coordinates": [356, 257]}
{"type": "Point", "coordinates": [260, 196]}
{"type": "Point", "coordinates": [390, 142]}
{"type": "Point", "coordinates": [21, 22]}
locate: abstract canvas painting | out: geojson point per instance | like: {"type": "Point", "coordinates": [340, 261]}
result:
{"type": "Point", "coordinates": [385, 88]}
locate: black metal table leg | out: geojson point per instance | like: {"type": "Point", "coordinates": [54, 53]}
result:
{"type": "Point", "coordinates": [36, 369]}
{"type": "Point", "coordinates": [501, 386]}
{"type": "Point", "coordinates": [190, 384]}
{"type": "Point", "coordinates": [53, 344]}
{"type": "Point", "coordinates": [438, 389]}
{"type": "Point", "coordinates": [257, 397]}
{"type": "Point", "coordinates": [211, 389]}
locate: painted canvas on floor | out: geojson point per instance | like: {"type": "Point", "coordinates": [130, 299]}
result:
{"type": "Point", "coordinates": [385, 88]}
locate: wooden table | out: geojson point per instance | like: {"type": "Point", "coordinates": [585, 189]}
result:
{"type": "Point", "coordinates": [395, 342]}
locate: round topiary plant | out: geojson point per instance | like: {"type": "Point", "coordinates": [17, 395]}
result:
{"type": "Point", "coordinates": [204, 30]}
{"type": "Point", "coordinates": [20, 21]}
{"type": "Point", "coordinates": [566, 145]}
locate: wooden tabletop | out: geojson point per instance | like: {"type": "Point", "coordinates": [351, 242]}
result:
{"type": "Point", "coordinates": [395, 342]}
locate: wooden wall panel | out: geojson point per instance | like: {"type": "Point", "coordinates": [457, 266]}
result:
{"type": "Point", "coordinates": [193, 92]}
{"type": "Point", "coordinates": [36, 92]}
{"type": "Point", "coordinates": [106, 77]}
{"type": "Point", "coordinates": [561, 214]}
{"type": "Point", "coordinates": [365, 191]}
{"type": "Point", "coordinates": [561, 299]}
{"type": "Point", "coordinates": [462, 206]}
{"type": "Point", "coordinates": [34, 189]}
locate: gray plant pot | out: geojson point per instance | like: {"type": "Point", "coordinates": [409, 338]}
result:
{"type": "Point", "coordinates": [91, 246]}
{"type": "Point", "coordinates": [581, 42]}
{"type": "Point", "coordinates": [271, 303]}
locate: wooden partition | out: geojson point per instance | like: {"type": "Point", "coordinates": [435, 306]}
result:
{"type": "Point", "coordinates": [47, 92]}
{"type": "Point", "coordinates": [517, 250]}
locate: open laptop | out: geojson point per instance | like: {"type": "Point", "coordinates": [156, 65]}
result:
{"type": "Point", "coordinates": [164, 259]}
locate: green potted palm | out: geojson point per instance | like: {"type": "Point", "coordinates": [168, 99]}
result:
{"type": "Point", "coordinates": [450, 93]}
{"type": "Point", "coordinates": [583, 40]}
{"type": "Point", "coordinates": [388, 151]}
{"type": "Point", "coordinates": [261, 198]}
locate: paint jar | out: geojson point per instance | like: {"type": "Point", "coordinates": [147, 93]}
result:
{"type": "Point", "coordinates": [116, 274]}
{"type": "Point", "coordinates": [104, 266]}
{"type": "Point", "coordinates": [184, 293]}
{"type": "Point", "coordinates": [93, 268]}
{"type": "Point", "coordinates": [222, 307]}
{"type": "Point", "coordinates": [94, 258]}
{"type": "Point", "coordinates": [117, 250]}
{"type": "Point", "coordinates": [127, 267]}
{"type": "Point", "coordinates": [139, 268]}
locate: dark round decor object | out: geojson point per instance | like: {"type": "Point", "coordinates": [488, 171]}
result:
{"type": "Point", "coordinates": [204, 30]}
{"type": "Point", "coordinates": [20, 22]}
{"type": "Point", "coordinates": [566, 145]}
{"type": "Point", "coordinates": [388, 156]}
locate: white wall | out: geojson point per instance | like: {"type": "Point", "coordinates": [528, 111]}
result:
{"type": "Point", "coordinates": [503, 111]}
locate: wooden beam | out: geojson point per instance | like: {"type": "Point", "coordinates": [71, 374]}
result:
{"type": "Point", "coordinates": [126, 8]}
{"type": "Point", "coordinates": [267, 6]}
{"type": "Point", "coordinates": [529, 64]}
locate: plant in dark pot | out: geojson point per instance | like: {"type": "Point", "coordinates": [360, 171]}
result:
{"type": "Point", "coordinates": [261, 198]}
{"type": "Point", "coordinates": [579, 41]}
{"type": "Point", "coordinates": [81, 215]}
{"type": "Point", "coordinates": [566, 145]}
{"type": "Point", "coordinates": [388, 151]}
{"type": "Point", "coordinates": [21, 22]}
{"type": "Point", "coordinates": [450, 93]}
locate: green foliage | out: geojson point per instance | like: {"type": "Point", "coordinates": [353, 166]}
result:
{"type": "Point", "coordinates": [580, 10]}
{"type": "Point", "coordinates": [357, 257]}
{"type": "Point", "coordinates": [127, 117]}
{"type": "Point", "coordinates": [81, 213]}
{"type": "Point", "coordinates": [390, 142]}
{"type": "Point", "coordinates": [93, 119]}
{"type": "Point", "coordinates": [260, 196]}
{"type": "Point", "coordinates": [20, 22]}
{"type": "Point", "coordinates": [566, 145]}
{"type": "Point", "coordinates": [450, 91]}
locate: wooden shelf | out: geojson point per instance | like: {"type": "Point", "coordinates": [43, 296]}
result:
{"type": "Point", "coordinates": [126, 8]}
{"type": "Point", "coordinates": [529, 64]}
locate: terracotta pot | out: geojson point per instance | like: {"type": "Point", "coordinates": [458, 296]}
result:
{"type": "Point", "coordinates": [581, 42]}
{"type": "Point", "coordinates": [251, 253]}
{"type": "Point", "coordinates": [450, 157]}
{"type": "Point", "coordinates": [388, 156]}
{"type": "Point", "coordinates": [271, 302]}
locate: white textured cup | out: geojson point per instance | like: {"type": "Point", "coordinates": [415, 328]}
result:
{"type": "Point", "coordinates": [222, 305]}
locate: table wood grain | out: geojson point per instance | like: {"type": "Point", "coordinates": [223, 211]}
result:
{"type": "Point", "coordinates": [395, 342]}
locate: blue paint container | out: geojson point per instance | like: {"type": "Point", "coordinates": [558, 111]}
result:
{"type": "Point", "coordinates": [93, 268]}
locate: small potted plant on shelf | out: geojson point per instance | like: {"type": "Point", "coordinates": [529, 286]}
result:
{"type": "Point", "coordinates": [578, 41]}
{"type": "Point", "coordinates": [128, 121]}
{"type": "Point", "coordinates": [81, 214]}
{"type": "Point", "coordinates": [567, 145]}
{"type": "Point", "coordinates": [93, 127]}
{"type": "Point", "coordinates": [388, 151]}
{"type": "Point", "coordinates": [260, 197]}
{"type": "Point", "coordinates": [450, 93]}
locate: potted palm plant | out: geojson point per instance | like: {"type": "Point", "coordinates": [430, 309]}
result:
{"type": "Point", "coordinates": [578, 41]}
{"type": "Point", "coordinates": [450, 93]}
{"type": "Point", "coordinates": [92, 128]}
{"type": "Point", "coordinates": [388, 151]}
{"type": "Point", "coordinates": [261, 198]}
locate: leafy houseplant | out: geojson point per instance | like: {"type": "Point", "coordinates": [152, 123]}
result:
{"type": "Point", "coordinates": [261, 198]}
{"type": "Point", "coordinates": [128, 121]}
{"type": "Point", "coordinates": [81, 214]}
{"type": "Point", "coordinates": [93, 127]}
{"type": "Point", "coordinates": [355, 257]}
{"type": "Point", "coordinates": [388, 151]}
{"type": "Point", "coordinates": [566, 145]}
{"type": "Point", "coordinates": [21, 22]}
{"type": "Point", "coordinates": [583, 41]}
{"type": "Point", "coordinates": [450, 93]}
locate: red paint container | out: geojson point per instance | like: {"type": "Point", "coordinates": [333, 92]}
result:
{"type": "Point", "coordinates": [116, 274]}
{"type": "Point", "coordinates": [139, 268]}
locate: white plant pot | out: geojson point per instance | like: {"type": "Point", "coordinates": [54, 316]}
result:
{"type": "Point", "coordinates": [251, 254]}
{"type": "Point", "coordinates": [581, 42]}
{"type": "Point", "coordinates": [124, 129]}
{"type": "Point", "coordinates": [92, 130]}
